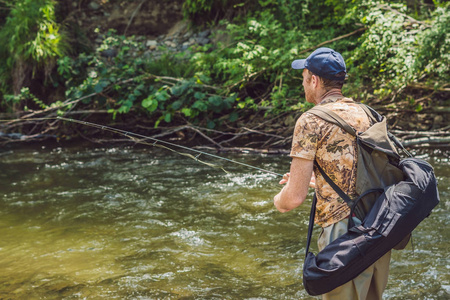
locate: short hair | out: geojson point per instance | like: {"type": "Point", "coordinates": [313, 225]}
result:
{"type": "Point", "coordinates": [327, 84]}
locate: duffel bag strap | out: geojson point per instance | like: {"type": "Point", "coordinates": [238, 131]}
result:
{"type": "Point", "coordinates": [311, 223]}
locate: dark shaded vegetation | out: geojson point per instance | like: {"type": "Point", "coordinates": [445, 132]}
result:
{"type": "Point", "coordinates": [216, 73]}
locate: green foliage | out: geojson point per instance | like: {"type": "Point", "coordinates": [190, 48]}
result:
{"type": "Point", "coordinates": [31, 42]}
{"type": "Point", "coordinates": [134, 80]}
{"type": "Point", "coordinates": [202, 12]}
{"type": "Point", "coordinates": [392, 45]}
{"type": "Point", "coordinates": [256, 65]}
{"type": "Point", "coordinates": [432, 56]}
{"type": "Point", "coordinates": [397, 50]}
{"type": "Point", "coordinates": [105, 71]}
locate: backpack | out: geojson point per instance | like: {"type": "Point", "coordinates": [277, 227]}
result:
{"type": "Point", "coordinates": [377, 164]}
{"type": "Point", "coordinates": [395, 195]}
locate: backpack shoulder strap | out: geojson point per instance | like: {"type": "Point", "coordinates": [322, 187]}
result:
{"type": "Point", "coordinates": [373, 115]}
{"type": "Point", "coordinates": [332, 117]}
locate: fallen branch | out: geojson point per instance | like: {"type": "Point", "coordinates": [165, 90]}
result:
{"type": "Point", "coordinates": [420, 133]}
{"type": "Point", "coordinates": [429, 87]}
{"type": "Point", "coordinates": [49, 109]}
{"type": "Point", "coordinates": [205, 136]}
{"type": "Point", "coordinates": [434, 109]}
{"type": "Point", "coordinates": [427, 140]}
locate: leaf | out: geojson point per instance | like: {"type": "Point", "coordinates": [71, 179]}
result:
{"type": "Point", "coordinates": [419, 107]}
{"type": "Point", "coordinates": [199, 95]}
{"type": "Point", "coordinates": [215, 100]}
{"type": "Point", "coordinates": [150, 103]}
{"type": "Point", "coordinates": [176, 90]}
{"type": "Point", "coordinates": [177, 104]}
{"type": "Point", "coordinates": [200, 105]}
{"type": "Point", "coordinates": [229, 101]}
{"type": "Point", "coordinates": [210, 124]}
{"type": "Point", "coordinates": [187, 112]}
{"type": "Point", "coordinates": [123, 109]}
{"type": "Point", "coordinates": [233, 116]}
{"type": "Point", "coordinates": [147, 101]}
{"type": "Point", "coordinates": [98, 88]}
{"type": "Point", "coordinates": [179, 90]}
{"type": "Point", "coordinates": [162, 96]}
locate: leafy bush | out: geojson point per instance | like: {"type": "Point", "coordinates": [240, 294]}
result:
{"type": "Point", "coordinates": [133, 79]}
{"type": "Point", "coordinates": [397, 50]}
{"type": "Point", "coordinates": [31, 43]}
{"type": "Point", "coordinates": [247, 69]}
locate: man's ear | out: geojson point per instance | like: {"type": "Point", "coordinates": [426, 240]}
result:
{"type": "Point", "coordinates": [315, 80]}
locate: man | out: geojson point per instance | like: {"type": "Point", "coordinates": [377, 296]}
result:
{"type": "Point", "coordinates": [324, 72]}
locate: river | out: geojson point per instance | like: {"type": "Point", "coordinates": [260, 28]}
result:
{"type": "Point", "coordinates": [146, 223]}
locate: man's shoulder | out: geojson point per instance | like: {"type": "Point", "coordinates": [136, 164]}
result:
{"type": "Point", "coordinates": [351, 112]}
{"type": "Point", "coordinates": [341, 104]}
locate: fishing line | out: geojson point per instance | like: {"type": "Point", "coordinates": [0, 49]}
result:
{"type": "Point", "coordinates": [138, 138]}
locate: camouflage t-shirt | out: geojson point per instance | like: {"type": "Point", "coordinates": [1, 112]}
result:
{"type": "Point", "coordinates": [335, 151]}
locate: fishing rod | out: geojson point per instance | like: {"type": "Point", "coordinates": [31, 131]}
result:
{"type": "Point", "coordinates": [136, 137]}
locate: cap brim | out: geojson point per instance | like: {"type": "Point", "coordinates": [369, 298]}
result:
{"type": "Point", "coordinates": [298, 64]}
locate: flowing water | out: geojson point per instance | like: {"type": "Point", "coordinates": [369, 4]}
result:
{"type": "Point", "coordinates": [125, 223]}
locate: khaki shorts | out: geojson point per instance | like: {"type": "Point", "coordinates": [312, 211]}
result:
{"type": "Point", "coordinates": [370, 284]}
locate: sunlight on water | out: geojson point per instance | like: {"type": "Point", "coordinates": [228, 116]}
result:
{"type": "Point", "coordinates": [146, 224]}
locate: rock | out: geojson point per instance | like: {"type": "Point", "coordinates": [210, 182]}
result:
{"type": "Point", "coordinates": [204, 34]}
{"type": "Point", "coordinates": [438, 121]}
{"type": "Point", "coordinates": [94, 5]}
{"type": "Point", "coordinates": [170, 44]}
{"type": "Point", "coordinates": [151, 43]}
{"type": "Point", "coordinates": [185, 46]}
{"type": "Point", "coordinates": [203, 41]}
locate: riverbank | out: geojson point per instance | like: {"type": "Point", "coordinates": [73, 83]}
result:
{"type": "Point", "coordinates": [133, 77]}
{"type": "Point", "coordinates": [267, 136]}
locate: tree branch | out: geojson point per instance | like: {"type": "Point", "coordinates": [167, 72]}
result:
{"type": "Point", "coordinates": [412, 20]}
{"type": "Point", "coordinates": [333, 40]}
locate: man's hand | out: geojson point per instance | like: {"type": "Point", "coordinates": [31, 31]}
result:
{"type": "Point", "coordinates": [312, 182]}
{"type": "Point", "coordinates": [285, 178]}
{"type": "Point", "coordinates": [297, 182]}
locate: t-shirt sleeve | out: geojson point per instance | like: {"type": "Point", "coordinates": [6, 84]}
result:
{"type": "Point", "coordinates": [305, 138]}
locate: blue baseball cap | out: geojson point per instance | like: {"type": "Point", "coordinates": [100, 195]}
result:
{"type": "Point", "coordinates": [324, 62]}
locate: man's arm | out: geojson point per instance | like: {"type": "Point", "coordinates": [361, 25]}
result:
{"type": "Point", "coordinates": [294, 192]}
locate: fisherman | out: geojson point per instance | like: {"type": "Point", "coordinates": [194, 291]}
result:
{"type": "Point", "coordinates": [324, 72]}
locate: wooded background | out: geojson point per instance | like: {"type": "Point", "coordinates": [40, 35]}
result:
{"type": "Point", "coordinates": [216, 74]}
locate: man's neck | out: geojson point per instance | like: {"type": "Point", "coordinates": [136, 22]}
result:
{"type": "Point", "coordinates": [335, 93]}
